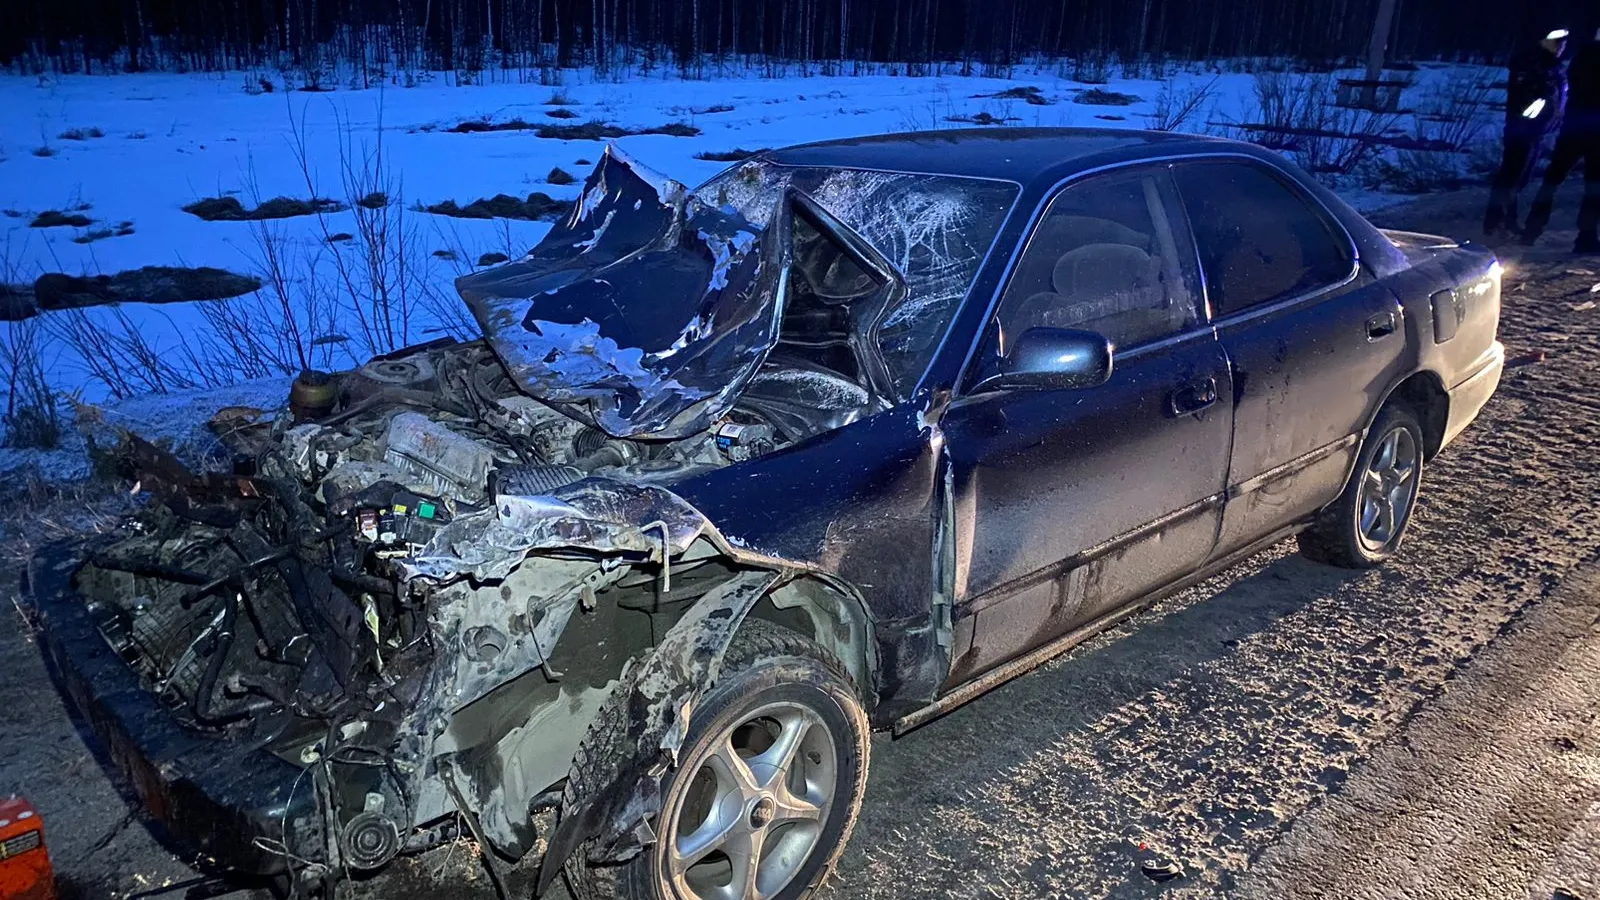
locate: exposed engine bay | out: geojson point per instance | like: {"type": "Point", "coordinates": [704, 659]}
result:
{"type": "Point", "coordinates": [419, 581]}
{"type": "Point", "coordinates": [380, 582]}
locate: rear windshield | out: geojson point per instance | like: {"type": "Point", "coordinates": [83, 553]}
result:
{"type": "Point", "coordinates": [935, 229]}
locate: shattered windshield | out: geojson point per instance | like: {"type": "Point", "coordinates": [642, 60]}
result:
{"type": "Point", "coordinates": [935, 229]}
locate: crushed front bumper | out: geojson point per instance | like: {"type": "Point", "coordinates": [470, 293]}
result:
{"type": "Point", "coordinates": [239, 807]}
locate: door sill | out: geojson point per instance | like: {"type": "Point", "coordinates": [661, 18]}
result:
{"type": "Point", "coordinates": [1033, 659]}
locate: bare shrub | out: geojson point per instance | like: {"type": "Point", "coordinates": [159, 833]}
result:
{"type": "Point", "coordinates": [271, 332]}
{"type": "Point", "coordinates": [32, 418]}
{"type": "Point", "coordinates": [466, 257]}
{"type": "Point", "coordinates": [539, 205]}
{"type": "Point", "coordinates": [52, 218]}
{"type": "Point", "coordinates": [357, 292]}
{"type": "Point", "coordinates": [275, 330]}
{"type": "Point", "coordinates": [119, 354]}
{"type": "Point", "coordinates": [1287, 103]}
{"type": "Point", "coordinates": [1176, 104]}
{"type": "Point", "coordinates": [1415, 172]}
{"type": "Point", "coordinates": [1103, 97]}
{"type": "Point", "coordinates": [1029, 94]}
{"type": "Point", "coordinates": [1093, 67]}
{"type": "Point", "coordinates": [1296, 114]}
{"type": "Point", "coordinates": [381, 272]}
{"type": "Point", "coordinates": [1456, 113]}
{"type": "Point", "coordinates": [1483, 158]}
{"type": "Point", "coordinates": [734, 155]}
{"type": "Point", "coordinates": [229, 209]}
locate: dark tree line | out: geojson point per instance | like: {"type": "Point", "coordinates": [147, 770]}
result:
{"type": "Point", "coordinates": [469, 35]}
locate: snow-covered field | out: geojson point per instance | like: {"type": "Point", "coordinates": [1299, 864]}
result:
{"type": "Point", "coordinates": [169, 140]}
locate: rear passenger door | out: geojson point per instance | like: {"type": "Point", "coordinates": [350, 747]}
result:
{"type": "Point", "coordinates": [1312, 339]}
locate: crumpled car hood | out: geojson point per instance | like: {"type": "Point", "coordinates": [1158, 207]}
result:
{"type": "Point", "coordinates": [644, 313]}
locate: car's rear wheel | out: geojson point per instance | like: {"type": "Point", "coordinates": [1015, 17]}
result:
{"type": "Point", "coordinates": [768, 785]}
{"type": "Point", "coordinates": [1366, 524]}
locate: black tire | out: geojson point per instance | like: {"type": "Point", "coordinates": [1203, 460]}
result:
{"type": "Point", "coordinates": [1339, 536]}
{"type": "Point", "coordinates": [766, 664]}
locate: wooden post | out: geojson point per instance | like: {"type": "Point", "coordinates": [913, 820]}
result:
{"type": "Point", "coordinates": [1375, 51]}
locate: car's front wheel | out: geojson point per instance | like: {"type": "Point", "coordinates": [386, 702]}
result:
{"type": "Point", "coordinates": [768, 786]}
{"type": "Point", "coordinates": [1366, 524]}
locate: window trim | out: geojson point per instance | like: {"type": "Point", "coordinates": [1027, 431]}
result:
{"type": "Point", "coordinates": [1296, 189]}
{"type": "Point", "coordinates": [965, 373]}
{"type": "Point", "coordinates": [1197, 304]}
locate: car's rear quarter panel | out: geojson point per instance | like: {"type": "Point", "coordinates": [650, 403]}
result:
{"type": "Point", "coordinates": [1452, 300]}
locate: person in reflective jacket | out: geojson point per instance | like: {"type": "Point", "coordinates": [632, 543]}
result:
{"type": "Point", "coordinates": [1535, 92]}
{"type": "Point", "coordinates": [1578, 141]}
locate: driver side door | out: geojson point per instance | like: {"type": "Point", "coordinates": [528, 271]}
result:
{"type": "Point", "coordinates": [1071, 502]}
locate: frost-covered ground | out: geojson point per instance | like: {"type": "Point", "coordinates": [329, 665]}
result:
{"type": "Point", "coordinates": [169, 140]}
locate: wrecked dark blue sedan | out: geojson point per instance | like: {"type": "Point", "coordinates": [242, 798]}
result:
{"type": "Point", "coordinates": [837, 441]}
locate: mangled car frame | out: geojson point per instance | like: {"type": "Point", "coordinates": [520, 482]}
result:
{"type": "Point", "coordinates": [836, 441]}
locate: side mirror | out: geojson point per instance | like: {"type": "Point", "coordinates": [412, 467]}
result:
{"type": "Point", "coordinates": [1052, 359]}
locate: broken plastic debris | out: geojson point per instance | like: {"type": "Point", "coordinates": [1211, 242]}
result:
{"type": "Point", "coordinates": [1526, 359]}
{"type": "Point", "coordinates": [1161, 870]}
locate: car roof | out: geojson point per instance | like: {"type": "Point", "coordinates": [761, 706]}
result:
{"type": "Point", "coordinates": [1015, 154]}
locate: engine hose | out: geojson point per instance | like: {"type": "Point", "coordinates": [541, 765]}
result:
{"type": "Point", "coordinates": [215, 584]}
{"type": "Point", "coordinates": [208, 680]}
{"type": "Point", "coordinates": [607, 454]}
{"type": "Point", "coordinates": [148, 569]}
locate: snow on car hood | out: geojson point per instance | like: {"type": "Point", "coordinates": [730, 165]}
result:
{"type": "Point", "coordinates": [644, 313]}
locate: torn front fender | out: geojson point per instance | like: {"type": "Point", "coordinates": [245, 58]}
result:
{"type": "Point", "coordinates": [655, 700]}
{"type": "Point", "coordinates": [598, 514]}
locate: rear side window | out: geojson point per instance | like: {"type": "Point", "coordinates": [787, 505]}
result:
{"type": "Point", "coordinates": [1103, 258]}
{"type": "Point", "coordinates": [1259, 238]}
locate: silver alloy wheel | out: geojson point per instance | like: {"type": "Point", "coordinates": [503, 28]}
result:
{"type": "Point", "coordinates": [750, 805]}
{"type": "Point", "coordinates": [1388, 489]}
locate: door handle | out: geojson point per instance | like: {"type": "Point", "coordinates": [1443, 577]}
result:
{"type": "Point", "coordinates": [1193, 397]}
{"type": "Point", "coordinates": [1381, 325]}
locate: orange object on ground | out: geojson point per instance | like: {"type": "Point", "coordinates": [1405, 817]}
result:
{"type": "Point", "coordinates": [24, 862]}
